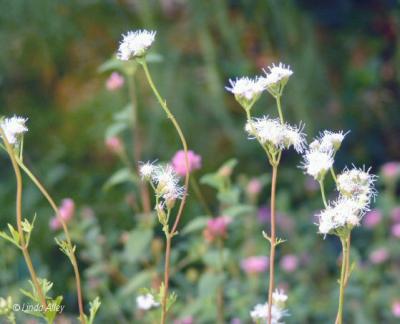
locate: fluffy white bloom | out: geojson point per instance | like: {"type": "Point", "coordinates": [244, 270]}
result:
{"type": "Point", "coordinates": [167, 182]}
{"type": "Point", "coordinates": [146, 170]}
{"type": "Point", "coordinates": [317, 163]}
{"type": "Point", "coordinates": [135, 44]}
{"type": "Point", "coordinates": [246, 90]}
{"type": "Point", "coordinates": [260, 313]}
{"type": "Point", "coordinates": [146, 302]}
{"type": "Point", "coordinates": [358, 184]}
{"type": "Point", "coordinates": [276, 78]}
{"type": "Point", "coordinates": [14, 127]}
{"type": "Point", "coordinates": [270, 131]}
{"type": "Point", "coordinates": [339, 214]}
{"type": "Point", "coordinates": [328, 141]}
{"type": "Point", "coordinates": [279, 297]}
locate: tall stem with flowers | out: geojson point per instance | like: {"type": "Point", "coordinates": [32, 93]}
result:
{"type": "Point", "coordinates": [355, 189]}
{"type": "Point", "coordinates": [274, 135]}
{"type": "Point", "coordinates": [163, 179]}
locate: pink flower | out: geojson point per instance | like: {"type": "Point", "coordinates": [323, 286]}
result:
{"type": "Point", "coordinates": [254, 264]}
{"type": "Point", "coordinates": [66, 212]}
{"type": "Point", "coordinates": [179, 162]}
{"type": "Point", "coordinates": [379, 256]}
{"type": "Point", "coordinates": [396, 230]}
{"type": "Point", "coordinates": [372, 218]}
{"type": "Point", "coordinates": [114, 144]}
{"type": "Point", "coordinates": [289, 263]}
{"type": "Point", "coordinates": [254, 187]}
{"type": "Point", "coordinates": [391, 169]}
{"type": "Point", "coordinates": [216, 228]}
{"type": "Point", "coordinates": [396, 308]}
{"type": "Point", "coordinates": [114, 81]}
{"type": "Point", "coordinates": [395, 214]}
{"type": "Point", "coordinates": [185, 320]}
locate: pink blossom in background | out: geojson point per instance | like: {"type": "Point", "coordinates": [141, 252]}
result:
{"type": "Point", "coordinates": [255, 264]}
{"type": "Point", "coordinates": [66, 212]}
{"type": "Point", "coordinates": [185, 320]}
{"type": "Point", "coordinates": [264, 214]}
{"type": "Point", "coordinates": [379, 256]}
{"type": "Point", "coordinates": [396, 308]}
{"type": "Point", "coordinates": [289, 263]}
{"type": "Point", "coordinates": [372, 218]}
{"type": "Point", "coordinates": [236, 321]}
{"type": "Point", "coordinates": [114, 81]}
{"type": "Point", "coordinates": [391, 169]}
{"type": "Point", "coordinates": [396, 230]}
{"type": "Point", "coordinates": [254, 187]}
{"type": "Point", "coordinates": [114, 144]}
{"type": "Point", "coordinates": [179, 162]}
{"type": "Point", "coordinates": [216, 228]}
{"type": "Point", "coordinates": [395, 214]}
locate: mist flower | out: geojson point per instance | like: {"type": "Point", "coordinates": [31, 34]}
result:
{"type": "Point", "coordinates": [278, 311]}
{"type": "Point", "coordinates": [279, 297]}
{"type": "Point", "coordinates": [246, 90]}
{"type": "Point", "coordinates": [276, 77]}
{"type": "Point", "coordinates": [289, 263]}
{"type": "Point", "coordinates": [317, 163]}
{"type": "Point", "coordinates": [330, 141]}
{"type": "Point", "coordinates": [13, 128]}
{"type": "Point", "coordinates": [391, 170]}
{"type": "Point", "coordinates": [114, 81]}
{"type": "Point", "coordinates": [379, 256]}
{"type": "Point", "coordinates": [270, 131]}
{"type": "Point", "coordinates": [135, 44]}
{"type": "Point", "coordinates": [146, 302]}
{"type": "Point", "coordinates": [146, 170]}
{"type": "Point", "coordinates": [179, 162]}
{"type": "Point", "coordinates": [372, 218]}
{"type": "Point", "coordinates": [255, 264]}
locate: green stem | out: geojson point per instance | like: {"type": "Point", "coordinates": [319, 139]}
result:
{"type": "Point", "coordinates": [182, 138]}
{"type": "Point", "coordinates": [278, 104]}
{"type": "Point", "coordinates": [333, 174]}
{"type": "Point", "coordinates": [21, 234]}
{"type": "Point", "coordinates": [67, 236]}
{"type": "Point", "coordinates": [322, 187]}
{"type": "Point", "coordinates": [342, 281]}
{"type": "Point", "coordinates": [220, 291]}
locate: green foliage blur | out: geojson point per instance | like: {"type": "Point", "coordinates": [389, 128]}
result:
{"type": "Point", "coordinates": [346, 60]}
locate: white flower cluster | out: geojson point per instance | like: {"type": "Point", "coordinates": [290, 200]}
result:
{"type": "Point", "coordinates": [247, 90]}
{"type": "Point", "coordinates": [164, 179]}
{"type": "Point", "coordinates": [146, 302]}
{"type": "Point", "coordinates": [270, 131]}
{"type": "Point", "coordinates": [13, 128]}
{"type": "Point", "coordinates": [135, 44]}
{"type": "Point", "coordinates": [357, 183]}
{"type": "Point", "coordinates": [278, 311]}
{"type": "Point", "coordinates": [319, 157]}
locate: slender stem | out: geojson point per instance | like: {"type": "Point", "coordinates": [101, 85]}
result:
{"type": "Point", "coordinates": [166, 278]}
{"type": "Point", "coordinates": [67, 236]}
{"type": "Point", "coordinates": [333, 174]}
{"type": "Point", "coordinates": [322, 187]}
{"type": "Point", "coordinates": [278, 104]}
{"type": "Point", "coordinates": [272, 241]}
{"type": "Point", "coordinates": [342, 281]}
{"type": "Point", "coordinates": [169, 114]}
{"type": "Point", "coordinates": [21, 234]}
{"type": "Point", "coordinates": [220, 291]}
{"type": "Point", "coordinates": [348, 260]}
{"type": "Point", "coordinates": [137, 145]}
{"type": "Point", "coordinates": [199, 195]}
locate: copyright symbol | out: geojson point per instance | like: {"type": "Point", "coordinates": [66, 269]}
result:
{"type": "Point", "coordinates": [16, 307]}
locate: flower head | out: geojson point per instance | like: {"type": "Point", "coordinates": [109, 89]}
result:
{"type": "Point", "coordinates": [331, 141]}
{"type": "Point", "coordinates": [270, 131]}
{"type": "Point", "coordinates": [66, 212]}
{"type": "Point", "coordinates": [278, 311]}
{"type": "Point", "coordinates": [255, 264]}
{"type": "Point", "coordinates": [179, 162]}
{"type": "Point", "coordinates": [317, 163]}
{"type": "Point", "coordinates": [146, 170]}
{"type": "Point", "coordinates": [135, 44]}
{"type": "Point", "coordinates": [276, 77]}
{"type": "Point", "coordinates": [216, 228]}
{"type": "Point", "coordinates": [146, 302]}
{"type": "Point", "coordinates": [115, 81]}
{"type": "Point", "coordinates": [13, 128]}
{"type": "Point", "coordinates": [246, 90]}
{"type": "Point", "coordinates": [279, 297]}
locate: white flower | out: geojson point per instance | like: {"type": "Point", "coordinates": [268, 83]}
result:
{"type": "Point", "coordinates": [270, 131]}
{"type": "Point", "coordinates": [246, 90]}
{"type": "Point", "coordinates": [344, 212]}
{"type": "Point", "coordinates": [146, 302]}
{"type": "Point", "coordinates": [358, 184]}
{"type": "Point", "coordinates": [279, 297]}
{"type": "Point", "coordinates": [167, 181]}
{"type": "Point", "coordinates": [14, 127]}
{"type": "Point", "coordinates": [317, 163]}
{"type": "Point", "coordinates": [135, 44]}
{"type": "Point", "coordinates": [260, 313]}
{"type": "Point", "coordinates": [276, 78]}
{"type": "Point", "coordinates": [146, 170]}
{"type": "Point", "coordinates": [331, 141]}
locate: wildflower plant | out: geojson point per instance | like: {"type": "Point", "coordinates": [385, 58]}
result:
{"type": "Point", "coordinates": [355, 189]}
{"type": "Point", "coordinates": [274, 135]}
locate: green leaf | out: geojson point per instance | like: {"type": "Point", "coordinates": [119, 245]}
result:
{"type": "Point", "coordinates": [138, 244]}
{"type": "Point", "coordinates": [139, 280]}
{"type": "Point", "coordinates": [208, 284]}
{"type": "Point", "coordinates": [196, 224]}
{"type": "Point", "coordinates": [115, 128]}
{"type": "Point", "coordinates": [121, 176]}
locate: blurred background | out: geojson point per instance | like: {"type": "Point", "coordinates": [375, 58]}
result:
{"type": "Point", "coordinates": [346, 62]}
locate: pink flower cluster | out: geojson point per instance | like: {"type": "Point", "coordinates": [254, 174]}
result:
{"type": "Point", "coordinates": [179, 162]}
{"type": "Point", "coordinates": [216, 228]}
{"type": "Point", "coordinates": [255, 264]}
{"type": "Point", "coordinates": [66, 212]}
